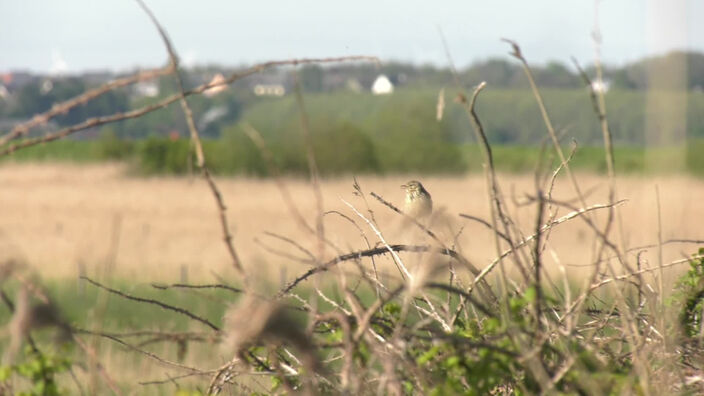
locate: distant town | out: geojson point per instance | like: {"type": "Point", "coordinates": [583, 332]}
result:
{"type": "Point", "coordinates": [24, 94]}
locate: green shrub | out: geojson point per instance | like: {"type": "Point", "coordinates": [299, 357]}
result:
{"type": "Point", "coordinates": [40, 369]}
{"type": "Point", "coordinates": [111, 147]}
{"type": "Point", "coordinates": [235, 153]}
{"type": "Point", "coordinates": [339, 147]}
{"type": "Point", "coordinates": [161, 155]}
{"type": "Point", "coordinates": [344, 148]}
{"type": "Point", "coordinates": [695, 157]}
{"type": "Point", "coordinates": [690, 294]}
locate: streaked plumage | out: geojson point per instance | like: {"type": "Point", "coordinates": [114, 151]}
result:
{"type": "Point", "coordinates": [418, 202]}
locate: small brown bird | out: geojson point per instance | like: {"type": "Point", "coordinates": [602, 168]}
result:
{"type": "Point", "coordinates": [418, 202]}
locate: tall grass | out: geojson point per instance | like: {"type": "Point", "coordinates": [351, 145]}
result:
{"type": "Point", "coordinates": [437, 323]}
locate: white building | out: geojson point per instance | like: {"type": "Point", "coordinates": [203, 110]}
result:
{"type": "Point", "coordinates": [147, 89]}
{"type": "Point", "coordinates": [46, 87]}
{"type": "Point", "coordinates": [601, 86]}
{"type": "Point", "coordinates": [382, 86]}
{"type": "Point", "coordinates": [269, 90]}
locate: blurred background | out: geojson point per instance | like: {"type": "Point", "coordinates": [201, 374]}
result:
{"type": "Point", "coordinates": [122, 202]}
{"type": "Point", "coordinates": [652, 55]}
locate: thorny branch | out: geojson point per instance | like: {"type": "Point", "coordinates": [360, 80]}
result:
{"type": "Point", "coordinates": [384, 339]}
{"type": "Point", "coordinates": [163, 305]}
{"type": "Point", "coordinates": [98, 121]}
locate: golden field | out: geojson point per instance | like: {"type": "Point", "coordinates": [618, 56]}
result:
{"type": "Point", "coordinates": [65, 219]}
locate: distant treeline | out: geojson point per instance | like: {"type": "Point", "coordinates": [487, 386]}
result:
{"type": "Point", "coordinates": [355, 132]}
{"type": "Point", "coordinates": [675, 70]}
{"type": "Point", "coordinates": [509, 116]}
{"type": "Point", "coordinates": [350, 155]}
{"type": "Point", "coordinates": [399, 133]}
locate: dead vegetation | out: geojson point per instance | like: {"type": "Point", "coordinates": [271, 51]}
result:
{"type": "Point", "coordinates": [533, 286]}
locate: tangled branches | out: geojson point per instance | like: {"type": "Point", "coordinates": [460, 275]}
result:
{"type": "Point", "coordinates": [443, 324]}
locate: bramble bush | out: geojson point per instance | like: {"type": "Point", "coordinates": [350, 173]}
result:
{"type": "Point", "coordinates": [39, 369]}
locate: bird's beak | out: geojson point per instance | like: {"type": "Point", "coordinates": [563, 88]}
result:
{"type": "Point", "coordinates": [403, 186]}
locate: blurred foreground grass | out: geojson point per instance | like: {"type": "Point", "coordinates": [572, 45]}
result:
{"type": "Point", "coordinates": [86, 306]}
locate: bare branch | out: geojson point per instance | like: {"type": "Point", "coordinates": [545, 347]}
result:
{"type": "Point", "coordinates": [97, 121]}
{"type": "Point", "coordinates": [65, 106]}
{"type": "Point", "coordinates": [365, 253]}
{"type": "Point", "coordinates": [182, 311]}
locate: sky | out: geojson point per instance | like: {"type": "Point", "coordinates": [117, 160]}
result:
{"type": "Point", "coordinates": [71, 36]}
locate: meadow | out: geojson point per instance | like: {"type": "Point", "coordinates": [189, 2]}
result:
{"type": "Point", "coordinates": [63, 221]}
{"type": "Point", "coordinates": [256, 263]}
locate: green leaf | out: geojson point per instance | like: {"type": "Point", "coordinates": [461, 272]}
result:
{"type": "Point", "coordinates": [428, 355]}
{"type": "Point", "coordinates": [492, 325]}
{"type": "Point", "coordinates": [5, 373]}
{"type": "Point", "coordinates": [452, 361]}
{"type": "Point", "coordinates": [530, 294]}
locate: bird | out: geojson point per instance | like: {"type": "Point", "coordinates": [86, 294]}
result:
{"type": "Point", "coordinates": [418, 204]}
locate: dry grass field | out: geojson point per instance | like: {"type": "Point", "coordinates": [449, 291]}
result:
{"type": "Point", "coordinates": [64, 219]}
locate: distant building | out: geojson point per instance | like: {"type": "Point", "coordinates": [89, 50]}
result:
{"type": "Point", "coordinates": [601, 86]}
{"type": "Point", "coordinates": [4, 93]}
{"type": "Point", "coordinates": [46, 87]}
{"type": "Point", "coordinates": [147, 89]}
{"type": "Point", "coordinates": [269, 90]}
{"type": "Point", "coordinates": [218, 79]}
{"type": "Point", "coordinates": [6, 78]}
{"type": "Point", "coordinates": [13, 81]}
{"type": "Point", "coordinates": [382, 86]}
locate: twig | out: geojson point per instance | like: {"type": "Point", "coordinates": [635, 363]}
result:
{"type": "Point", "coordinates": [186, 286]}
{"type": "Point", "coordinates": [397, 259]}
{"type": "Point", "coordinates": [377, 282]}
{"type": "Point", "coordinates": [643, 271]}
{"type": "Point", "coordinates": [546, 227]}
{"type": "Point", "coordinates": [543, 111]}
{"type": "Point", "coordinates": [293, 243]}
{"type": "Point", "coordinates": [449, 288]}
{"type": "Point", "coordinates": [182, 311]}
{"type": "Point", "coordinates": [171, 379]}
{"type": "Point", "coordinates": [312, 168]}
{"type": "Point", "coordinates": [364, 253]}
{"type": "Point", "coordinates": [661, 297]}
{"type": "Point", "coordinates": [195, 138]}
{"type": "Point", "coordinates": [414, 221]}
{"type": "Point", "coordinates": [274, 171]}
{"type": "Point", "coordinates": [536, 257]}
{"type": "Point", "coordinates": [103, 373]}
{"type": "Point", "coordinates": [486, 224]}
{"type": "Point", "coordinates": [642, 247]}
{"type": "Point", "coordinates": [285, 254]}
{"type": "Point", "coordinates": [141, 351]}
{"type": "Point", "coordinates": [603, 240]}
{"type": "Point", "coordinates": [490, 174]}
{"type": "Point", "coordinates": [463, 260]}
{"type": "Point", "coordinates": [65, 106]}
{"type": "Point", "coordinates": [97, 121]}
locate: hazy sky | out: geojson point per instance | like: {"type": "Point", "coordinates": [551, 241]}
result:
{"type": "Point", "coordinates": [79, 35]}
